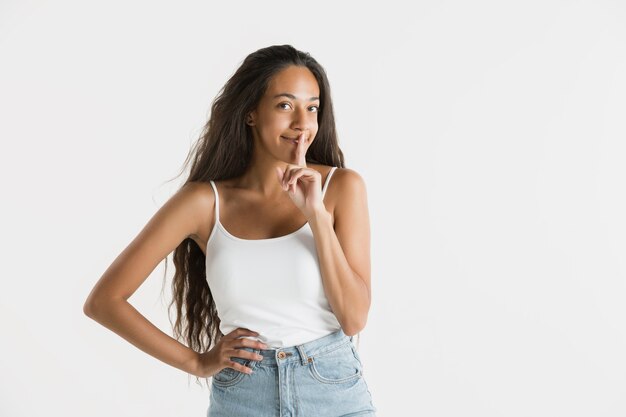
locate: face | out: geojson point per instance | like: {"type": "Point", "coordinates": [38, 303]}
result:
{"type": "Point", "coordinates": [288, 107]}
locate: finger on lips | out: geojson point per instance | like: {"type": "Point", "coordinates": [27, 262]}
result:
{"type": "Point", "coordinates": [301, 150]}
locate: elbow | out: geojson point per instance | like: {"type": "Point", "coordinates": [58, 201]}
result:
{"type": "Point", "coordinates": [89, 308]}
{"type": "Point", "coordinates": [352, 328]}
{"type": "Point", "coordinates": [349, 331]}
{"type": "Point", "coordinates": [93, 305]}
{"type": "Point", "coordinates": [98, 305]}
{"type": "Point", "coordinates": [355, 322]}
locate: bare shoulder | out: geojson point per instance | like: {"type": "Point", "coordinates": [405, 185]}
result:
{"type": "Point", "coordinates": [344, 182]}
{"type": "Point", "coordinates": [200, 198]}
{"type": "Point", "coordinates": [184, 212]}
{"type": "Point", "coordinates": [344, 185]}
{"type": "Point", "coordinates": [348, 177]}
{"type": "Point", "coordinates": [192, 208]}
{"type": "Point", "coordinates": [340, 174]}
{"type": "Point", "coordinates": [198, 193]}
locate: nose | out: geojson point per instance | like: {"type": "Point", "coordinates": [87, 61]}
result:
{"type": "Point", "coordinates": [300, 120]}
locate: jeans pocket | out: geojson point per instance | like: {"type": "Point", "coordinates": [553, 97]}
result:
{"type": "Point", "coordinates": [337, 366]}
{"type": "Point", "coordinates": [229, 377]}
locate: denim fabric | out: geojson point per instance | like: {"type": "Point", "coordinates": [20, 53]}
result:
{"type": "Point", "coordinates": [320, 378]}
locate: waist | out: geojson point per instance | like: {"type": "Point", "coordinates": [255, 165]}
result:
{"type": "Point", "coordinates": [302, 352]}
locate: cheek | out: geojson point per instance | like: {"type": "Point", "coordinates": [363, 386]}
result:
{"type": "Point", "coordinates": [276, 124]}
{"type": "Point", "coordinates": [271, 127]}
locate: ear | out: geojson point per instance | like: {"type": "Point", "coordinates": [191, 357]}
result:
{"type": "Point", "coordinates": [250, 118]}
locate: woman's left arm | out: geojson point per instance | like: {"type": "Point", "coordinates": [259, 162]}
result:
{"type": "Point", "coordinates": [344, 251]}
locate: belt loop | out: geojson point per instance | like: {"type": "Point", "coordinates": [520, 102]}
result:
{"type": "Point", "coordinates": [303, 358]}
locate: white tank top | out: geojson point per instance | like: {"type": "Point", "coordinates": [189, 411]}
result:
{"type": "Point", "coordinates": [270, 286]}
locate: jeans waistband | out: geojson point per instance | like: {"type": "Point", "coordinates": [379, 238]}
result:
{"type": "Point", "coordinates": [301, 353]}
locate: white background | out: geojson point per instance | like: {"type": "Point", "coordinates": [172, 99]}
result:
{"type": "Point", "coordinates": [491, 136]}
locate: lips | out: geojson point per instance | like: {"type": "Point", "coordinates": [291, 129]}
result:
{"type": "Point", "coordinates": [293, 140]}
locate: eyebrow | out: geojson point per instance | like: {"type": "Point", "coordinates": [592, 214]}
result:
{"type": "Point", "coordinates": [291, 96]}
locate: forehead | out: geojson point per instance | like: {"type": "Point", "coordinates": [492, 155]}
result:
{"type": "Point", "coordinates": [298, 81]}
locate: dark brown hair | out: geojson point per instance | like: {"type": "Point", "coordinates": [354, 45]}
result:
{"type": "Point", "coordinates": [223, 151]}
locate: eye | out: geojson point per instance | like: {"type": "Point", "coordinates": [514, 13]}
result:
{"type": "Point", "coordinates": [317, 108]}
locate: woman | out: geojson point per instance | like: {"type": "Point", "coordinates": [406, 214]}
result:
{"type": "Point", "coordinates": [272, 257]}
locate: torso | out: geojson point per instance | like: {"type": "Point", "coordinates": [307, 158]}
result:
{"type": "Point", "coordinates": [269, 220]}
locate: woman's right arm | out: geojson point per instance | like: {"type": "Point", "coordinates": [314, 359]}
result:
{"type": "Point", "coordinates": [179, 218]}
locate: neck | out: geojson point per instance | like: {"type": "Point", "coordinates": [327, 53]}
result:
{"type": "Point", "coordinates": [261, 177]}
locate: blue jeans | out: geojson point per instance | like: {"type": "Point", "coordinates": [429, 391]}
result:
{"type": "Point", "coordinates": [320, 378]}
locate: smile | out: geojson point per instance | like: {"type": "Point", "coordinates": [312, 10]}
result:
{"type": "Point", "coordinates": [290, 139]}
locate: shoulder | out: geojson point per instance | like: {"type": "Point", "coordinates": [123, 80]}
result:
{"type": "Point", "coordinates": [197, 193]}
{"type": "Point", "coordinates": [346, 188]}
{"type": "Point", "coordinates": [348, 176]}
{"type": "Point", "coordinates": [344, 176]}
{"type": "Point", "coordinates": [346, 180]}
{"type": "Point", "coordinates": [199, 199]}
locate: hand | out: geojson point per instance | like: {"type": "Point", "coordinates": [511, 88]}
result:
{"type": "Point", "coordinates": [218, 358]}
{"type": "Point", "coordinates": [303, 184]}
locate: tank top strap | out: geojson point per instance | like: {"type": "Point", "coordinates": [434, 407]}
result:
{"type": "Point", "coordinates": [330, 174]}
{"type": "Point", "coordinates": [217, 202]}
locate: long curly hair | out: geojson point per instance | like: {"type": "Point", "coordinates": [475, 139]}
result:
{"type": "Point", "coordinates": [223, 151]}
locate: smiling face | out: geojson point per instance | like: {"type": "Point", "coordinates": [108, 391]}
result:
{"type": "Point", "coordinates": [288, 108]}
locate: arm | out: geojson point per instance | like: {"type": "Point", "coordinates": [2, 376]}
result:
{"type": "Point", "coordinates": [179, 218]}
{"type": "Point", "coordinates": [344, 252]}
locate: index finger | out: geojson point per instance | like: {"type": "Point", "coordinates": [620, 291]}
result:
{"type": "Point", "coordinates": [301, 150]}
